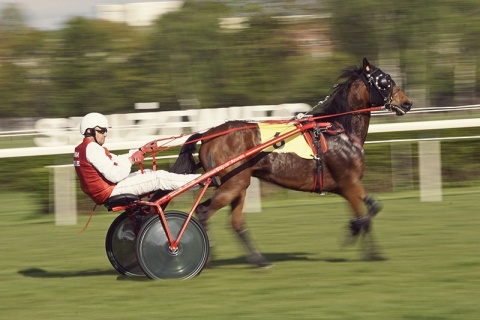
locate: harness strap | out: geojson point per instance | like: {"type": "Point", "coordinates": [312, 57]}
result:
{"type": "Point", "coordinates": [89, 219]}
{"type": "Point", "coordinates": [335, 129]}
{"type": "Point", "coordinates": [317, 142]}
{"type": "Point", "coordinates": [320, 147]}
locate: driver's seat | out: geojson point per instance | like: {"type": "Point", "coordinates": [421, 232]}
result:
{"type": "Point", "coordinates": [120, 200]}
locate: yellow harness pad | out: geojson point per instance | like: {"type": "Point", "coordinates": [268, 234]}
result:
{"type": "Point", "coordinates": [295, 144]}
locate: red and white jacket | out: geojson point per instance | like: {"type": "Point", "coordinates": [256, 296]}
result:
{"type": "Point", "coordinates": [99, 170]}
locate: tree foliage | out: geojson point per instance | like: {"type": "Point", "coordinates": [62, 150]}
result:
{"type": "Point", "coordinates": [188, 59]}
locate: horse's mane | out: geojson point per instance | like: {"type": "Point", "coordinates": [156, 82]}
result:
{"type": "Point", "coordinates": [337, 103]}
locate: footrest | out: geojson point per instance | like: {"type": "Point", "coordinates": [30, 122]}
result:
{"type": "Point", "coordinates": [120, 200]}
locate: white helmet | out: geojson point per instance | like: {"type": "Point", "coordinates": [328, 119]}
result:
{"type": "Point", "coordinates": [93, 120]}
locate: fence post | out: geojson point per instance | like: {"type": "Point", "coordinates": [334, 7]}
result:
{"type": "Point", "coordinates": [430, 170]}
{"type": "Point", "coordinates": [64, 194]}
{"type": "Point", "coordinates": [253, 199]}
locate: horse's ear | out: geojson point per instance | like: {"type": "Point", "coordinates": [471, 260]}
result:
{"type": "Point", "coordinates": [366, 65]}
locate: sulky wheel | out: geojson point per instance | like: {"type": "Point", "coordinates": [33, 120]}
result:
{"type": "Point", "coordinates": [159, 261]}
{"type": "Point", "coordinates": [120, 246]}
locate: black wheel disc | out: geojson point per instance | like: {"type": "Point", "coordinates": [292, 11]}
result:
{"type": "Point", "coordinates": [120, 246]}
{"type": "Point", "coordinates": [156, 258]}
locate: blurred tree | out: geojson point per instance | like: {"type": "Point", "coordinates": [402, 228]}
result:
{"type": "Point", "coordinates": [189, 56]}
{"type": "Point", "coordinates": [89, 71]}
{"type": "Point", "coordinates": [243, 64]}
{"type": "Point", "coordinates": [183, 58]}
{"type": "Point", "coordinates": [311, 80]}
{"type": "Point", "coordinates": [430, 38]}
{"type": "Point", "coordinates": [468, 26]}
{"type": "Point", "coordinates": [15, 99]}
{"type": "Point", "coordinates": [20, 48]}
{"type": "Point", "coordinates": [255, 61]}
{"type": "Point", "coordinates": [18, 40]}
{"type": "Point", "coordinates": [355, 27]}
{"type": "Point", "coordinates": [12, 24]}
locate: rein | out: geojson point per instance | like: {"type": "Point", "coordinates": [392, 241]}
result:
{"type": "Point", "coordinates": [309, 119]}
{"type": "Point", "coordinates": [378, 108]}
{"type": "Point", "coordinates": [220, 134]}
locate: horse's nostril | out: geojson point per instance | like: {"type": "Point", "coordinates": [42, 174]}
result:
{"type": "Point", "coordinates": [407, 105]}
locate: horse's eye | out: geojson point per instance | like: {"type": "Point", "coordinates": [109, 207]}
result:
{"type": "Point", "coordinates": [383, 82]}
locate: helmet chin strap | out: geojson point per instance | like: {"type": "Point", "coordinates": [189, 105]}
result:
{"type": "Point", "coordinates": [88, 133]}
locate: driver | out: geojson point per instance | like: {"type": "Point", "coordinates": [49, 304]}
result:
{"type": "Point", "coordinates": [103, 174]}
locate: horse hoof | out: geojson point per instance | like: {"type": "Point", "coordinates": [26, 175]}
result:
{"type": "Point", "coordinates": [374, 256]}
{"type": "Point", "coordinates": [258, 260]}
{"type": "Point", "coordinates": [373, 206]}
{"type": "Point", "coordinates": [357, 225]}
{"type": "Point", "coordinates": [377, 257]}
{"type": "Point", "coordinates": [348, 240]}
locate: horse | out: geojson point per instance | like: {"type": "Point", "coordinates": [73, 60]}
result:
{"type": "Point", "coordinates": [341, 167]}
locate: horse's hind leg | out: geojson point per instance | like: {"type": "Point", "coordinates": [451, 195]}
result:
{"type": "Point", "coordinates": [238, 224]}
{"type": "Point", "coordinates": [233, 193]}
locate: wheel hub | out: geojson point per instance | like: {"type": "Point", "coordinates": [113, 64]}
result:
{"type": "Point", "coordinates": [173, 251]}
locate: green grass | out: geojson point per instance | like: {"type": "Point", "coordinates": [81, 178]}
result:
{"type": "Point", "coordinates": [431, 270]}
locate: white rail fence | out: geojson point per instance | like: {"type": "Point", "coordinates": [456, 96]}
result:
{"type": "Point", "coordinates": [430, 183]}
{"type": "Point", "coordinates": [64, 184]}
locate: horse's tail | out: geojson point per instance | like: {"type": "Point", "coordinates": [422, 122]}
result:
{"type": "Point", "coordinates": [185, 163]}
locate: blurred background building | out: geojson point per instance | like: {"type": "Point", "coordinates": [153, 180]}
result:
{"type": "Point", "coordinates": [136, 14]}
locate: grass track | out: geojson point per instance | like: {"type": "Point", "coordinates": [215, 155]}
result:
{"type": "Point", "coordinates": [431, 271]}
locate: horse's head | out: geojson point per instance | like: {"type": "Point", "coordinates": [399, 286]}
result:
{"type": "Point", "coordinates": [383, 90]}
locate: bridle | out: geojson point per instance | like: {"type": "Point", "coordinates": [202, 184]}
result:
{"type": "Point", "coordinates": [380, 87]}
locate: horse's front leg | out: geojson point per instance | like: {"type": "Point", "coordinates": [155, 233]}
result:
{"type": "Point", "coordinates": [363, 222]}
{"type": "Point", "coordinates": [361, 226]}
{"type": "Point", "coordinates": [373, 206]}
{"type": "Point", "coordinates": [359, 201]}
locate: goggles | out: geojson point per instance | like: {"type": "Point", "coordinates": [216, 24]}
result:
{"type": "Point", "coordinates": [101, 130]}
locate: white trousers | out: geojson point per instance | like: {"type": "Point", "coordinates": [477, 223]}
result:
{"type": "Point", "coordinates": [150, 181]}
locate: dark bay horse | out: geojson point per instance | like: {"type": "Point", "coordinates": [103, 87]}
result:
{"type": "Point", "coordinates": [342, 164]}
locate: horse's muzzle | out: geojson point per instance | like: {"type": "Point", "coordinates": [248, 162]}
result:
{"type": "Point", "coordinates": [400, 110]}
